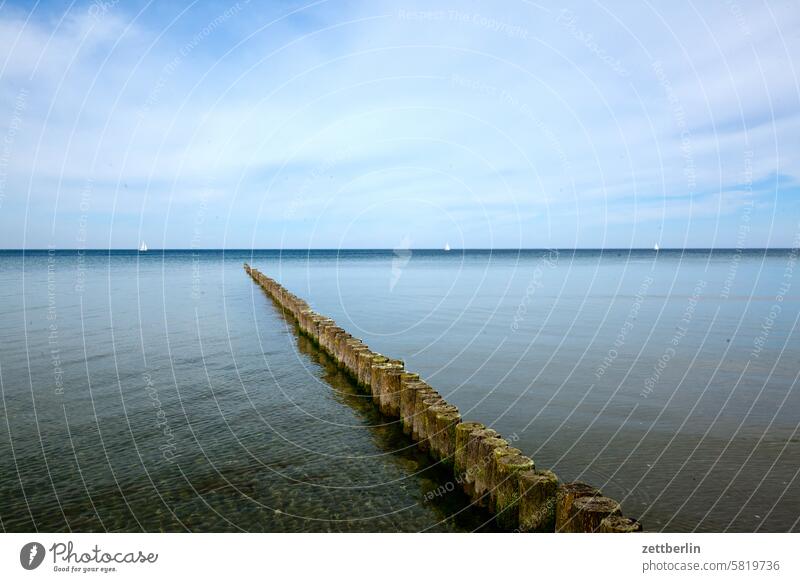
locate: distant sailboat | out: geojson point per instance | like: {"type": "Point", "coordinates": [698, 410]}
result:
{"type": "Point", "coordinates": [655, 247]}
{"type": "Point", "coordinates": [143, 247]}
{"type": "Point", "coordinates": [447, 247]}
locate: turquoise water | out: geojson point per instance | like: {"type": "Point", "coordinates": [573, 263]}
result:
{"type": "Point", "coordinates": [164, 392]}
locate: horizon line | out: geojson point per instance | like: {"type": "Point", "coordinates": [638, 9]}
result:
{"type": "Point", "coordinates": [455, 249]}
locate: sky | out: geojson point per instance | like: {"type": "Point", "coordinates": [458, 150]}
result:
{"type": "Point", "coordinates": [337, 124]}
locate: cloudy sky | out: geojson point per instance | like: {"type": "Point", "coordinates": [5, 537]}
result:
{"type": "Point", "coordinates": [382, 124]}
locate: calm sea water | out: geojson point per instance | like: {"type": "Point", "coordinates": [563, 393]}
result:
{"type": "Point", "coordinates": [164, 392]}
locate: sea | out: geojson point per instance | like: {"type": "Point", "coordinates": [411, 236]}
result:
{"type": "Point", "coordinates": [163, 391]}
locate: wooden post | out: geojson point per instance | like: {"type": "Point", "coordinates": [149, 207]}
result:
{"type": "Point", "coordinates": [566, 495]}
{"type": "Point", "coordinates": [407, 382]}
{"type": "Point", "coordinates": [426, 427]}
{"type": "Point", "coordinates": [619, 524]}
{"type": "Point", "coordinates": [537, 501]}
{"type": "Point", "coordinates": [493, 476]}
{"type": "Point", "coordinates": [318, 322]}
{"type": "Point", "coordinates": [588, 512]}
{"type": "Point", "coordinates": [390, 387]}
{"type": "Point", "coordinates": [365, 369]}
{"type": "Point", "coordinates": [446, 422]}
{"type": "Point", "coordinates": [418, 419]}
{"type": "Point", "coordinates": [376, 381]}
{"type": "Point", "coordinates": [351, 349]}
{"type": "Point", "coordinates": [436, 427]}
{"type": "Point", "coordinates": [393, 388]}
{"type": "Point", "coordinates": [325, 327]}
{"type": "Point", "coordinates": [473, 459]}
{"type": "Point", "coordinates": [482, 478]}
{"type": "Point", "coordinates": [463, 432]}
{"type": "Point", "coordinates": [339, 345]}
{"type": "Point", "coordinates": [507, 489]}
{"type": "Point", "coordinates": [333, 334]}
{"type": "Point", "coordinates": [488, 469]}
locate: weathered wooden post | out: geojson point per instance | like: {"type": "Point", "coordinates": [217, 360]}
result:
{"type": "Point", "coordinates": [619, 524]}
{"type": "Point", "coordinates": [325, 326]}
{"type": "Point", "coordinates": [393, 386]}
{"type": "Point", "coordinates": [427, 425]}
{"type": "Point", "coordinates": [388, 383]}
{"type": "Point", "coordinates": [437, 419]}
{"type": "Point", "coordinates": [488, 449]}
{"type": "Point", "coordinates": [463, 432]}
{"type": "Point", "coordinates": [537, 501]}
{"type": "Point", "coordinates": [447, 418]}
{"type": "Point", "coordinates": [403, 398]}
{"type": "Point", "coordinates": [352, 349]}
{"type": "Point", "coordinates": [490, 471]}
{"type": "Point", "coordinates": [333, 334]}
{"type": "Point", "coordinates": [418, 418]}
{"type": "Point", "coordinates": [587, 513]}
{"type": "Point", "coordinates": [372, 360]}
{"type": "Point", "coordinates": [566, 495]}
{"type": "Point", "coordinates": [304, 321]}
{"type": "Point", "coordinates": [342, 347]}
{"type": "Point", "coordinates": [506, 492]}
{"type": "Point", "coordinates": [474, 458]}
{"type": "Point", "coordinates": [493, 476]}
{"type": "Point", "coordinates": [316, 327]}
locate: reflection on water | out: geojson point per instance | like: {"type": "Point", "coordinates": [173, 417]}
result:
{"type": "Point", "coordinates": [202, 413]}
{"type": "Point", "coordinates": [163, 391]}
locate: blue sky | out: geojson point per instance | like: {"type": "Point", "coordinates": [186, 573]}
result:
{"type": "Point", "coordinates": [393, 124]}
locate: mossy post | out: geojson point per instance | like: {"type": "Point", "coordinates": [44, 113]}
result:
{"type": "Point", "coordinates": [376, 381]}
{"type": "Point", "coordinates": [405, 399]}
{"type": "Point", "coordinates": [370, 378]}
{"type": "Point", "coordinates": [427, 425]}
{"type": "Point", "coordinates": [340, 345]}
{"type": "Point", "coordinates": [619, 524]}
{"type": "Point", "coordinates": [431, 428]}
{"type": "Point", "coordinates": [474, 459]}
{"type": "Point", "coordinates": [324, 332]}
{"type": "Point", "coordinates": [566, 495]}
{"type": "Point", "coordinates": [364, 361]}
{"type": "Point", "coordinates": [488, 448]}
{"type": "Point", "coordinates": [304, 321]}
{"type": "Point", "coordinates": [436, 428]}
{"type": "Point", "coordinates": [316, 328]}
{"type": "Point", "coordinates": [587, 513]}
{"type": "Point", "coordinates": [356, 359]}
{"type": "Point", "coordinates": [418, 419]}
{"type": "Point", "coordinates": [393, 389]}
{"type": "Point", "coordinates": [333, 335]}
{"type": "Point", "coordinates": [446, 422]}
{"type": "Point", "coordinates": [493, 476]}
{"type": "Point", "coordinates": [463, 431]}
{"type": "Point", "coordinates": [537, 501]}
{"type": "Point", "coordinates": [505, 493]}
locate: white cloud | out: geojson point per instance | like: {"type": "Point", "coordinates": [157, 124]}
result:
{"type": "Point", "coordinates": [499, 107]}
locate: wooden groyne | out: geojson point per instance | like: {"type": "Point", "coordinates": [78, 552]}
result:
{"type": "Point", "coordinates": [495, 475]}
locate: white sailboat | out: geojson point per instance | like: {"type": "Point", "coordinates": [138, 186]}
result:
{"type": "Point", "coordinates": [655, 247]}
{"type": "Point", "coordinates": [143, 247]}
{"type": "Point", "coordinates": [447, 247]}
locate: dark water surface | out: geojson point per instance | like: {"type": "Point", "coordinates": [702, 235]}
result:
{"type": "Point", "coordinates": [164, 391]}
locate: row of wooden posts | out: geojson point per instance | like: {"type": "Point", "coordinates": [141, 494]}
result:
{"type": "Point", "coordinates": [496, 476]}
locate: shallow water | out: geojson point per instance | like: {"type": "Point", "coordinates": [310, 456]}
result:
{"type": "Point", "coordinates": [164, 391]}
